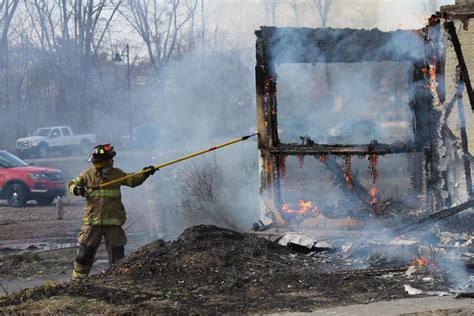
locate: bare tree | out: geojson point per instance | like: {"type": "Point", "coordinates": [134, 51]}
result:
{"type": "Point", "coordinates": [431, 6]}
{"type": "Point", "coordinates": [271, 9]}
{"type": "Point", "coordinates": [7, 10]}
{"type": "Point", "coordinates": [295, 6]}
{"type": "Point", "coordinates": [323, 8]}
{"type": "Point", "coordinates": [70, 34]}
{"type": "Point", "coordinates": [160, 26]}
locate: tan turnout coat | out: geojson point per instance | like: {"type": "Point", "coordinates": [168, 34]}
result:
{"type": "Point", "coordinates": [104, 206]}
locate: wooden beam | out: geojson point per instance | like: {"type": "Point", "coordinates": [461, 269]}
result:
{"type": "Point", "coordinates": [433, 218]}
{"type": "Point", "coordinates": [336, 149]}
{"type": "Point", "coordinates": [328, 45]}
{"type": "Point", "coordinates": [451, 29]}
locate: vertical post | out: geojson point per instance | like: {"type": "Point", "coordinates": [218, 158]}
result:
{"type": "Point", "coordinates": [59, 208]}
{"type": "Point", "coordinates": [203, 25]}
{"type": "Point", "coordinates": [129, 92]}
{"type": "Point", "coordinates": [451, 29]}
{"type": "Point", "coordinates": [462, 126]}
{"type": "Point", "coordinates": [266, 120]}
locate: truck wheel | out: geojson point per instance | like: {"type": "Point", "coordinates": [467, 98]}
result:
{"type": "Point", "coordinates": [45, 200]}
{"type": "Point", "coordinates": [43, 151]}
{"type": "Point", "coordinates": [85, 147]}
{"type": "Point", "coordinates": [17, 195]}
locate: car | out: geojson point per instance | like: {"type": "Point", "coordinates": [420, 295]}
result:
{"type": "Point", "coordinates": [54, 138]}
{"type": "Point", "coordinates": [20, 182]}
{"type": "Point", "coordinates": [146, 136]}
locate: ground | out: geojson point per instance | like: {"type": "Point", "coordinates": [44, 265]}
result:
{"type": "Point", "coordinates": [214, 270]}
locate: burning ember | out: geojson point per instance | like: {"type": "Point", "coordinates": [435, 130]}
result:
{"type": "Point", "coordinates": [420, 262]}
{"type": "Point", "coordinates": [372, 169]}
{"type": "Point", "coordinates": [431, 83]}
{"type": "Point", "coordinates": [347, 169]}
{"type": "Point", "coordinates": [305, 208]}
{"type": "Point", "coordinates": [373, 195]}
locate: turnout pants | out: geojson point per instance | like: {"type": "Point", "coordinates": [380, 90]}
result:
{"type": "Point", "coordinates": [89, 240]}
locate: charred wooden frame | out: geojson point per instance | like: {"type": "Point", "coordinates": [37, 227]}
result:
{"type": "Point", "coordinates": [326, 45]}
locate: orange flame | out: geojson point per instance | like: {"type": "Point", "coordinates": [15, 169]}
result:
{"type": "Point", "coordinates": [431, 83]}
{"type": "Point", "coordinates": [305, 207]}
{"type": "Point", "coordinates": [420, 262]}
{"type": "Point", "coordinates": [373, 195]}
{"type": "Point", "coordinates": [323, 158]}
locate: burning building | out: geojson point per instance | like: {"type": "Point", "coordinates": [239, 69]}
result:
{"type": "Point", "coordinates": [362, 124]}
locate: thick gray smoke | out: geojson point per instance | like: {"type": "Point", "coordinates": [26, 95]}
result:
{"type": "Point", "coordinates": [202, 95]}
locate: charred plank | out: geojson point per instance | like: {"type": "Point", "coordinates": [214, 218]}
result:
{"type": "Point", "coordinates": [433, 218]}
{"type": "Point", "coordinates": [328, 45]}
{"type": "Point", "coordinates": [451, 29]}
{"type": "Point", "coordinates": [338, 149]}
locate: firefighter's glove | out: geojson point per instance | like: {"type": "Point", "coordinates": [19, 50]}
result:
{"type": "Point", "coordinates": [150, 170]}
{"type": "Point", "coordinates": [80, 191]}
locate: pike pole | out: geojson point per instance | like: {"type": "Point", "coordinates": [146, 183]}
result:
{"type": "Point", "coordinates": [157, 167]}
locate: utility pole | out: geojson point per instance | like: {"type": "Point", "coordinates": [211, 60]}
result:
{"type": "Point", "coordinates": [118, 58]}
{"type": "Point", "coordinates": [127, 48]}
{"type": "Point", "coordinates": [203, 24]}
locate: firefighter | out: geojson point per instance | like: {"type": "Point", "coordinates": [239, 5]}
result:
{"type": "Point", "coordinates": [104, 213]}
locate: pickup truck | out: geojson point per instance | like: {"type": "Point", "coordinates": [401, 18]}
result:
{"type": "Point", "coordinates": [55, 138]}
{"type": "Point", "coordinates": [20, 182]}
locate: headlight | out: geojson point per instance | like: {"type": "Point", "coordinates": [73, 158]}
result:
{"type": "Point", "coordinates": [38, 176]}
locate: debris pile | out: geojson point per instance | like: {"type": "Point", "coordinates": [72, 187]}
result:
{"type": "Point", "coordinates": [215, 270]}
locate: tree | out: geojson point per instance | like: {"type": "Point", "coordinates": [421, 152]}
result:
{"type": "Point", "coordinates": [271, 8]}
{"type": "Point", "coordinates": [7, 10]}
{"type": "Point", "coordinates": [431, 6]}
{"type": "Point", "coordinates": [294, 5]}
{"type": "Point", "coordinates": [323, 8]}
{"type": "Point", "coordinates": [160, 25]}
{"type": "Point", "coordinates": [70, 35]}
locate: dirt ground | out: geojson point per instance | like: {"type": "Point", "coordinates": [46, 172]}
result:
{"type": "Point", "coordinates": [35, 245]}
{"type": "Point", "coordinates": [213, 270]}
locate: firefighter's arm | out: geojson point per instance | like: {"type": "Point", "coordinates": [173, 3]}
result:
{"type": "Point", "coordinates": [139, 178]}
{"type": "Point", "coordinates": [76, 185]}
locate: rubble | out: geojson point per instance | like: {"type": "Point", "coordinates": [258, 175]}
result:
{"type": "Point", "coordinates": [215, 270]}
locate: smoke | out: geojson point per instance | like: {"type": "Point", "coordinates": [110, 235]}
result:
{"type": "Point", "coordinates": [206, 96]}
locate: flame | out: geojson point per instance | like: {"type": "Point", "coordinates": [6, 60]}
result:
{"type": "Point", "coordinates": [305, 207]}
{"type": "Point", "coordinates": [323, 158]}
{"type": "Point", "coordinates": [420, 262]}
{"type": "Point", "coordinates": [431, 83]}
{"type": "Point", "coordinates": [373, 195]}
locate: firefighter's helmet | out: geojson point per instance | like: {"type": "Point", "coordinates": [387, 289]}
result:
{"type": "Point", "coordinates": [101, 153]}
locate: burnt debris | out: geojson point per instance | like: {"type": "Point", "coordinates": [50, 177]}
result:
{"type": "Point", "coordinates": [432, 155]}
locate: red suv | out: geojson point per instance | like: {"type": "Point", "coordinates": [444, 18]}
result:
{"type": "Point", "coordinates": [20, 182]}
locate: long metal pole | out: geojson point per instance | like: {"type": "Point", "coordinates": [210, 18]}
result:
{"type": "Point", "coordinates": [177, 160]}
{"type": "Point", "coordinates": [129, 93]}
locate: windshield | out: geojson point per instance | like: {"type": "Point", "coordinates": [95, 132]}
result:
{"type": "Point", "coordinates": [42, 132]}
{"type": "Point", "coordinates": [8, 160]}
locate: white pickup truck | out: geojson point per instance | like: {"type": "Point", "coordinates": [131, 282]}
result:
{"type": "Point", "coordinates": [54, 138]}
